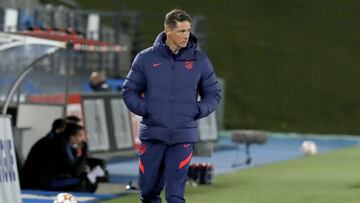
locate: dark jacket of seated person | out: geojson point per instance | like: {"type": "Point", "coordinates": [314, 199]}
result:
{"type": "Point", "coordinates": [66, 171]}
{"type": "Point", "coordinates": [63, 170]}
{"type": "Point", "coordinates": [33, 168]}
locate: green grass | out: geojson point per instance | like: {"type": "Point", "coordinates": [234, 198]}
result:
{"type": "Point", "coordinates": [326, 178]}
{"type": "Point", "coordinates": [289, 65]}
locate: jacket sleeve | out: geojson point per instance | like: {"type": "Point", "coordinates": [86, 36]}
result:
{"type": "Point", "coordinates": [134, 86]}
{"type": "Point", "coordinates": [209, 90]}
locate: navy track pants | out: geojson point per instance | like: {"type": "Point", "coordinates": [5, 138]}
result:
{"type": "Point", "coordinates": [162, 165]}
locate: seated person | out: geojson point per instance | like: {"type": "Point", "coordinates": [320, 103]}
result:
{"type": "Point", "coordinates": [65, 171]}
{"type": "Point", "coordinates": [31, 171]}
{"type": "Point", "coordinates": [58, 167]}
{"type": "Point", "coordinates": [82, 150]}
{"type": "Point", "coordinates": [97, 82]}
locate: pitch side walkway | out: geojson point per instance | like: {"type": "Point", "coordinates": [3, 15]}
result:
{"type": "Point", "coordinates": [279, 147]}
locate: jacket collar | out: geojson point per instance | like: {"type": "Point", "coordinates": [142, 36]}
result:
{"type": "Point", "coordinates": [187, 53]}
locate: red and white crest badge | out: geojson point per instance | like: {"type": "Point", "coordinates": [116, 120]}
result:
{"type": "Point", "coordinates": [188, 65]}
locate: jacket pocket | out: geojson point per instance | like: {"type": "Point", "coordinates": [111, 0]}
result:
{"type": "Point", "coordinates": [157, 114]}
{"type": "Point", "coordinates": [197, 111]}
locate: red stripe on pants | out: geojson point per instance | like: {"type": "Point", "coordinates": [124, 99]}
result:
{"type": "Point", "coordinates": [185, 161]}
{"type": "Point", "coordinates": [141, 166]}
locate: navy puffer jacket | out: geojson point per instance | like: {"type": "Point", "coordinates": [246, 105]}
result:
{"type": "Point", "coordinates": [163, 88]}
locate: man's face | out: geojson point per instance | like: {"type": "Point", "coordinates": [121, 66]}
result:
{"type": "Point", "coordinates": [179, 35]}
{"type": "Point", "coordinates": [80, 137]}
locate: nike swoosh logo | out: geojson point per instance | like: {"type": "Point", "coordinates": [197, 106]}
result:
{"type": "Point", "coordinates": [156, 64]}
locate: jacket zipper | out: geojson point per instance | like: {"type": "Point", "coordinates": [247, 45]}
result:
{"type": "Point", "coordinates": [172, 97]}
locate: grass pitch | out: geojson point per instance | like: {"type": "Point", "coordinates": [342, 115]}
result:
{"type": "Point", "coordinates": [324, 178]}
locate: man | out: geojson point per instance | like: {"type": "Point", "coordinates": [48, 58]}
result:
{"type": "Point", "coordinates": [65, 171]}
{"type": "Point", "coordinates": [98, 82]}
{"type": "Point", "coordinates": [162, 87]}
{"type": "Point", "coordinates": [31, 172]}
{"type": "Point", "coordinates": [52, 163]}
{"type": "Point", "coordinates": [82, 150]}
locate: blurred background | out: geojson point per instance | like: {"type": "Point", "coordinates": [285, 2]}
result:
{"type": "Point", "coordinates": [286, 65]}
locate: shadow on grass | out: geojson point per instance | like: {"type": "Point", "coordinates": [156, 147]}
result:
{"type": "Point", "coordinates": [355, 186]}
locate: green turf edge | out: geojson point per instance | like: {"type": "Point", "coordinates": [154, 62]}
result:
{"type": "Point", "coordinates": [324, 178]}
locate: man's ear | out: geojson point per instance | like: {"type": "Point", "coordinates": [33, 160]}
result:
{"type": "Point", "coordinates": [167, 30]}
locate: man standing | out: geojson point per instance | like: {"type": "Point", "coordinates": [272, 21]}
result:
{"type": "Point", "coordinates": [163, 86]}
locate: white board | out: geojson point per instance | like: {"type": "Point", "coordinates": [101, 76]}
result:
{"type": "Point", "coordinates": [121, 123]}
{"type": "Point", "coordinates": [9, 178]}
{"type": "Point", "coordinates": [11, 20]}
{"type": "Point", "coordinates": [208, 128]}
{"type": "Point", "coordinates": [95, 124]}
